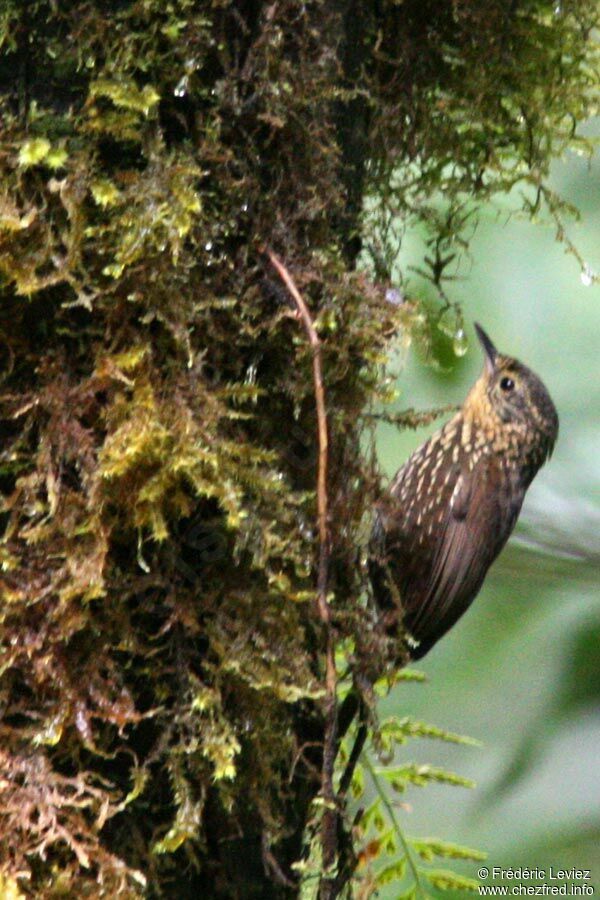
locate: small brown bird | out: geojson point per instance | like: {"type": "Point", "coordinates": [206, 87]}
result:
{"type": "Point", "coordinates": [452, 506]}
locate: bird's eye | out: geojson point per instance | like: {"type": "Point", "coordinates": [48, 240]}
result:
{"type": "Point", "coordinates": [507, 384]}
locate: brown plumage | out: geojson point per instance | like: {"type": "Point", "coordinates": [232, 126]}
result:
{"type": "Point", "coordinates": [451, 508]}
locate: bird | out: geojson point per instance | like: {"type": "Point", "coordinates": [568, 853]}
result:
{"type": "Point", "coordinates": [451, 508]}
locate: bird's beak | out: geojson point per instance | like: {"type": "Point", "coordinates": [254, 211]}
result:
{"type": "Point", "coordinates": [489, 350]}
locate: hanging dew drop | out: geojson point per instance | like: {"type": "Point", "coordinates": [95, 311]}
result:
{"type": "Point", "coordinates": [447, 323]}
{"type": "Point", "coordinates": [587, 276]}
{"type": "Point", "coordinates": [394, 296]}
{"type": "Point", "coordinates": [460, 343]}
{"type": "Point", "coordinates": [181, 88]}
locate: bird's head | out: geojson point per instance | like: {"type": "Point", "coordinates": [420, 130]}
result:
{"type": "Point", "coordinates": [513, 394]}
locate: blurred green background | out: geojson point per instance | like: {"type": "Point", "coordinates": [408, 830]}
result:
{"type": "Point", "coordinates": [521, 671]}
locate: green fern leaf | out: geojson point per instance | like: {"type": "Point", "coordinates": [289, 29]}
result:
{"type": "Point", "coordinates": [420, 775]}
{"type": "Point", "coordinates": [445, 880]}
{"type": "Point", "coordinates": [430, 848]}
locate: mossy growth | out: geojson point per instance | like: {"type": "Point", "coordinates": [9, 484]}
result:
{"type": "Point", "coordinates": [162, 664]}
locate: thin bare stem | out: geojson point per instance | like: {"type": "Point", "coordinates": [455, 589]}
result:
{"type": "Point", "coordinates": [330, 816]}
{"type": "Point", "coordinates": [315, 343]}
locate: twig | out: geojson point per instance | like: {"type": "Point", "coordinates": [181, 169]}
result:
{"type": "Point", "coordinates": [271, 864]}
{"type": "Point", "coordinates": [315, 343]}
{"type": "Point", "coordinates": [357, 749]}
{"type": "Point", "coordinates": [330, 818]}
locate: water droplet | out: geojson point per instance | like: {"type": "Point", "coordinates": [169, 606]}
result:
{"type": "Point", "coordinates": [82, 722]}
{"type": "Point", "coordinates": [208, 246]}
{"type": "Point", "coordinates": [447, 323]}
{"type": "Point", "coordinates": [588, 276]}
{"type": "Point", "coordinates": [460, 344]}
{"type": "Point", "coordinates": [181, 88]}
{"type": "Point", "coordinates": [393, 295]}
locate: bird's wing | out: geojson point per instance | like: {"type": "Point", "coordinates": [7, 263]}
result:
{"type": "Point", "coordinates": [476, 525]}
